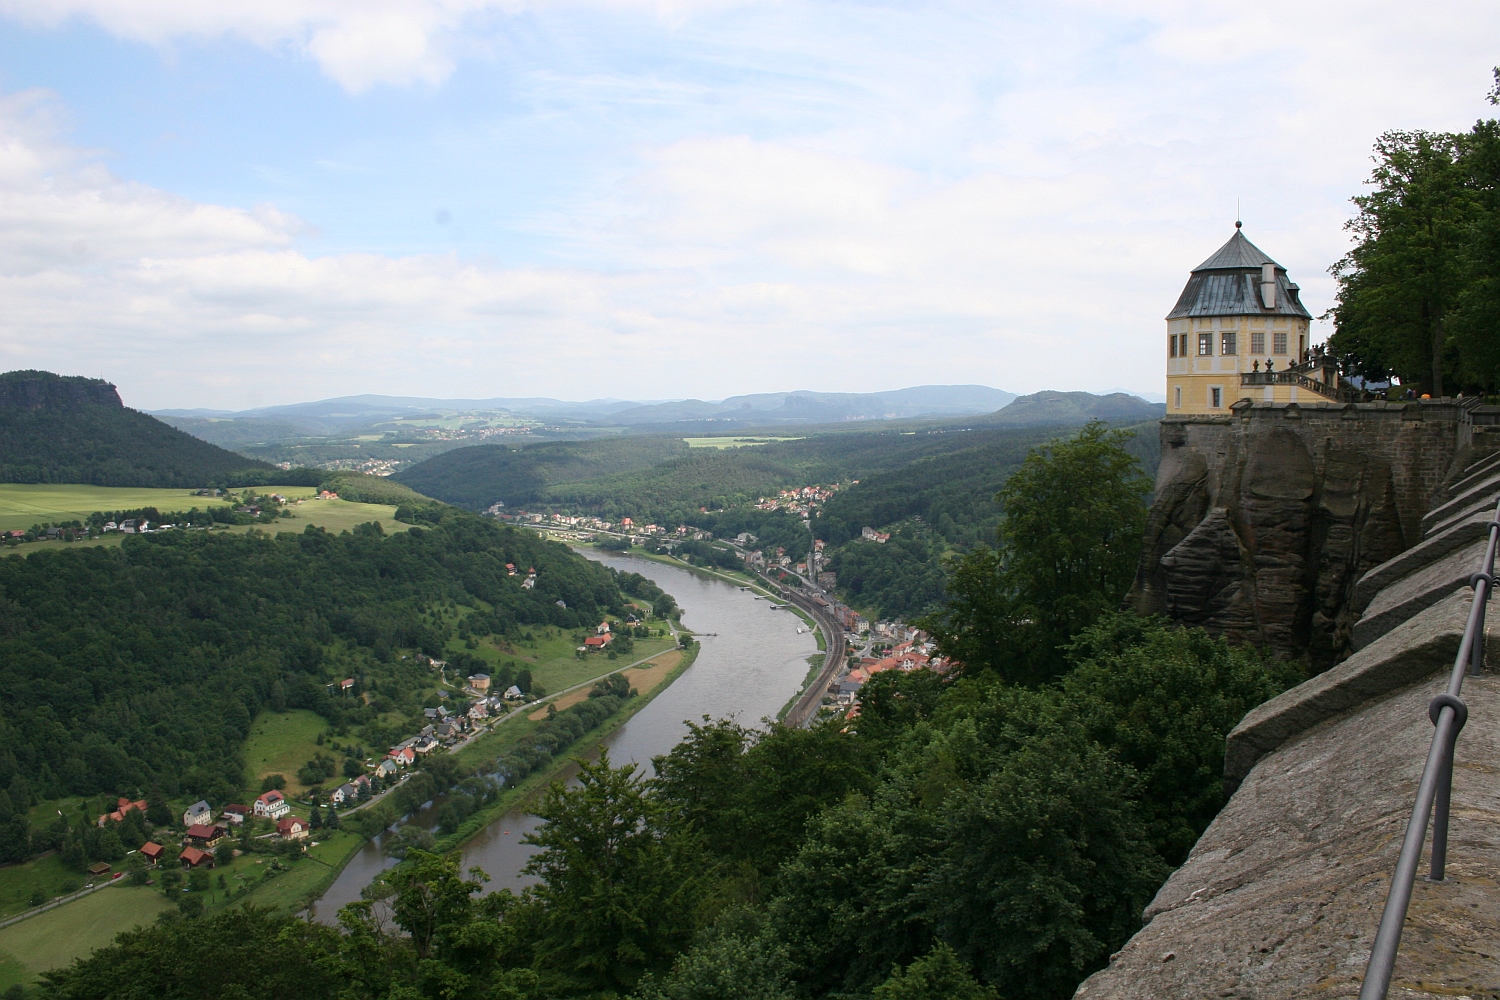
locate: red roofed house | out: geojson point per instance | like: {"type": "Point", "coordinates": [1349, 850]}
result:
{"type": "Point", "coordinates": [598, 641]}
{"type": "Point", "coordinates": [124, 806]}
{"type": "Point", "coordinates": [272, 804]}
{"type": "Point", "coordinates": [406, 755]}
{"type": "Point", "coordinates": [191, 857]}
{"type": "Point", "coordinates": [151, 852]}
{"type": "Point", "coordinates": [603, 629]}
{"type": "Point", "coordinates": [291, 828]}
{"type": "Point", "coordinates": [236, 814]}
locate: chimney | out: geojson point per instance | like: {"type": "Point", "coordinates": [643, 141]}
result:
{"type": "Point", "coordinates": [1268, 285]}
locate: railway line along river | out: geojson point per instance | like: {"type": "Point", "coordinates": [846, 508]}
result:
{"type": "Point", "coordinates": [752, 661]}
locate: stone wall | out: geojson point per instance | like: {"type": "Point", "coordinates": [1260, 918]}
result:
{"type": "Point", "coordinates": [1266, 518]}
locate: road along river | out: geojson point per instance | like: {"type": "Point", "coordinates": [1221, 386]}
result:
{"type": "Point", "coordinates": [751, 664]}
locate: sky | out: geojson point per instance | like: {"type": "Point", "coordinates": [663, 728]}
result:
{"type": "Point", "coordinates": [251, 202]}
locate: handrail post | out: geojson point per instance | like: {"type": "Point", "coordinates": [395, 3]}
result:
{"type": "Point", "coordinates": [1440, 813]}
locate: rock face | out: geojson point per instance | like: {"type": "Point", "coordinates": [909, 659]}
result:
{"type": "Point", "coordinates": [1265, 520]}
{"type": "Point", "coordinates": [1282, 894]}
{"type": "Point", "coordinates": [36, 390]}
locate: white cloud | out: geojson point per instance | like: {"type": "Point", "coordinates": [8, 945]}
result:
{"type": "Point", "coordinates": [357, 43]}
{"type": "Point", "coordinates": [1010, 196]}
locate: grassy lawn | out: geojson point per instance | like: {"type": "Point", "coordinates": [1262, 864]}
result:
{"type": "Point", "coordinates": [58, 936]}
{"type": "Point", "coordinates": [306, 878]}
{"type": "Point", "coordinates": [331, 515]}
{"type": "Point", "coordinates": [48, 873]}
{"type": "Point", "coordinates": [280, 743]}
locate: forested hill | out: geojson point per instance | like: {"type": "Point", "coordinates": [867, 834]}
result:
{"type": "Point", "coordinates": [56, 429]}
{"type": "Point", "coordinates": [128, 669]}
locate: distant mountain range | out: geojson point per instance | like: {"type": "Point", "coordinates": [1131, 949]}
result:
{"type": "Point", "coordinates": [347, 413]}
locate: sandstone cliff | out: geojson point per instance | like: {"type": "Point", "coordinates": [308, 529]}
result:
{"type": "Point", "coordinates": [1265, 519]}
{"type": "Point", "coordinates": [37, 390]}
{"type": "Point", "coordinates": [1281, 896]}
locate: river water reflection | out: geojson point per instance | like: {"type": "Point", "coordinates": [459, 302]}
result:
{"type": "Point", "coordinates": [751, 662]}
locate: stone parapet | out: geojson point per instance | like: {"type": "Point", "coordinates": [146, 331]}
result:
{"type": "Point", "coordinates": [1281, 896]}
{"type": "Point", "coordinates": [1407, 653]}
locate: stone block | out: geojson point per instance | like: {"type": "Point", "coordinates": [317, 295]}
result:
{"type": "Point", "coordinates": [1473, 473]}
{"type": "Point", "coordinates": [1473, 497]}
{"type": "Point", "coordinates": [1281, 896]}
{"type": "Point", "coordinates": [1422, 589]}
{"type": "Point", "coordinates": [1426, 552]}
{"type": "Point", "coordinates": [1404, 655]}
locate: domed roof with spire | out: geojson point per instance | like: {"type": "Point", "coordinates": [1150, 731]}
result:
{"type": "Point", "coordinates": [1228, 284]}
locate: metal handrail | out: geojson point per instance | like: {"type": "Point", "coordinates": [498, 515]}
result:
{"type": "Point", "coordinates": [1448, 714]}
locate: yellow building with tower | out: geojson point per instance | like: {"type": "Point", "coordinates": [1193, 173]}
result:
{"type": "Point", "coordinates": [1239, 331]}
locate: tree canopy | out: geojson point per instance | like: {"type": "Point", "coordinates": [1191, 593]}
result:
{"type": "Point", "coordinates": [1419, 293]}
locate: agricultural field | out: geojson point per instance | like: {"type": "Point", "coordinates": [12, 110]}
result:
{"type": "Point", "coordinates": [25, 504]}
{"type": "Point", "coordinates": [280, 743]}
{"type": "Point", "coordinates": [645, 678]}
{"type": "Point", "coordinates": [733, 442]}
{"type": "Point", "coordinates": [330, 515]}
{"type": "Point", "coordinates": [58, 936]}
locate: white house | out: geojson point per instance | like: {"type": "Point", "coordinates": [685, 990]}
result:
{"type": "Point", "coordinates": [198, 814]}
{"type": "Point", "coordinates": [272, 804]}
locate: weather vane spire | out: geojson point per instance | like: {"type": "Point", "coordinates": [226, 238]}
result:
{"type": "Point", "coordinates": [1237, 222]}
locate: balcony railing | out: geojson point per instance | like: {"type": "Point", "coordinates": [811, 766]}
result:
{"type": "Point", "coordinates": [1301, 381]}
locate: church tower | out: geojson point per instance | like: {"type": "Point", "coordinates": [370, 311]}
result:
{"type": "Point", "coordinates": [1240, 331]}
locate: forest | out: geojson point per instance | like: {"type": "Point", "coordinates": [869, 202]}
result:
{"type": "Point", "coordinates": [138, 669]}
{"type": "Point", "coordinates": [994, 831]}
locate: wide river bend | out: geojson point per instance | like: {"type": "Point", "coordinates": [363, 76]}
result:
{"type": "Point", "coordinates": [750, 664]}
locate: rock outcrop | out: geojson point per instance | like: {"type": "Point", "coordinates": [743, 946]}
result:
{"type": "Point", "coordinates": [37, 390]}
{"type": "Point", "coordinates": [1282, 895]}
{"type": "Point", "coordinates": [1266, 519]}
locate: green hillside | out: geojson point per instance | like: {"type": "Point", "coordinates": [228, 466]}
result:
{"type": "Point", "coordinates": [56, 429]}
{"type": "Point", "coordinates": [479, 476]}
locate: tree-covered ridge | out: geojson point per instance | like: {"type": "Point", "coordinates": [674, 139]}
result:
{"type": "Point", "coordinates": [53, 432]}
{"type": "Point", "coordinates": [935, 509]}
{"type": "Point", "coordinates": [123, 670]}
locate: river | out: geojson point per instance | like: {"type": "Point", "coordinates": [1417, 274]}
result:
{"type": "Point", "coordinates": [749, 665]}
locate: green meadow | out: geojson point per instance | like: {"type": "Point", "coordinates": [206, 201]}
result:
{"type": "Point", "coordinates": [58, 936]}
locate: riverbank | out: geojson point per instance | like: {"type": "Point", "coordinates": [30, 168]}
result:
{"type": "Point", "coordinates": [522, 793]}
{"type": "Point", "coordinates": [479, 755]}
